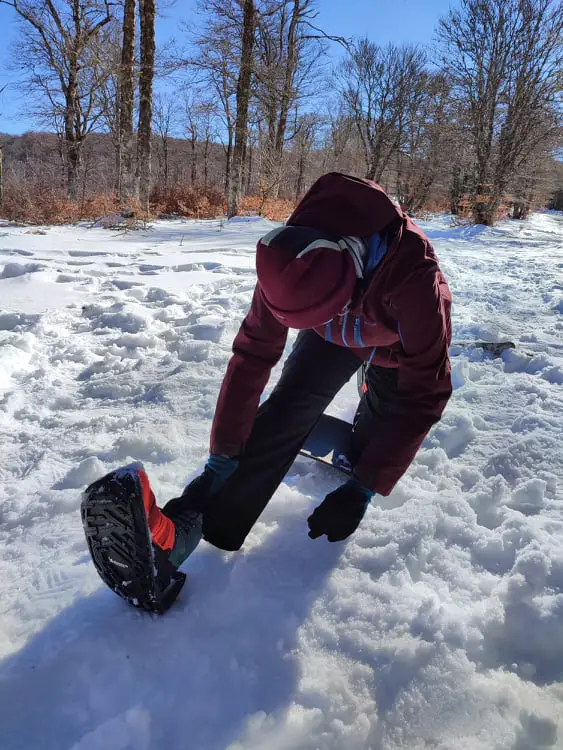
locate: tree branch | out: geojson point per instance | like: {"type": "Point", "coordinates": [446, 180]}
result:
{"type": "Point", "coordinates": [343, 41]}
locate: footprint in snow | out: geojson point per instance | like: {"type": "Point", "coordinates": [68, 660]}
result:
{"type": "Point", "coordinates": [121, 284]}
{"type": "Point", "coordinates": [16, 321]}
{"type": "Point", "coordinates": [186, 267]}
{"type": "Point", "coordinates": [15, 251]}
{"type": "Point", "coordinates": [86, 253]}
{"type": "Point", "coordinates": [149, 269]}
{"type": "Point", "coordinates": [65, 278]}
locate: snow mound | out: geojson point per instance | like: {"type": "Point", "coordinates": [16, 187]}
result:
{"type": "Point", "coordinates": [13, 270]}
{"type": "Point", "coordinates": [529, 498]}
{"type": "Point", "coordinates": [82, 475]}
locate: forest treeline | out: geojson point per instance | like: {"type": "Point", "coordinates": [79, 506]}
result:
{"type": "Point", "coordinates": [251, 107]}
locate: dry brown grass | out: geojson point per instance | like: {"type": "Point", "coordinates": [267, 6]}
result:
{"type": "Point", "coordinates": [435, 206]}
{"type": "Point", "coordinates": [275, 209]}
{"type": "Point", "coordinates": [187, 201]}
{"type": "Point", "coordinates": [37, 203]}
{"type": "Point", "coordinates": [40, 203]}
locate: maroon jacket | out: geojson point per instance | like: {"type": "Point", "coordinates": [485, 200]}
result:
{"type": "Point", "coordinates": [404, 312]}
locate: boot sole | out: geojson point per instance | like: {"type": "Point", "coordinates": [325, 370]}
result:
{"type": "Point", "coordinates": [119, 541]}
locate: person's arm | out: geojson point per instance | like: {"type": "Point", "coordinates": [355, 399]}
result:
{"type": "Point", "coordinates": [257, 348]}
{"type": "Point", "coordinates": [422, 307]}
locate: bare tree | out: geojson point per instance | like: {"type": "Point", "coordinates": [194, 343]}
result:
{"type": "Point", "coordinates": [128, 186]}
{"type": "Point", "coordinates": [265, 52]}
{"type": "Point", "coordinates": [164, 117]}
{"type": "Point", "coordinates": [147, 12]}
{"type": "Point", "coordinates": [192, 131]}
{"type": "Point", "coordinates": [289, 56]}
{"type": "Point", "coordinates": [535, 180]}
{"type": "Point", "coordinates": [303, 143]}
{"type": "Point", "coordinates": [56, 56]}
{"type": "Point", "coordinates": [218, 58]}
{"type": "Point", "coordinates": [339, 136]}
{"type": "Point", "coordinates": [251, 148]}
{"type": "Point", "coordinates": [1, 177]}
{"type": "Point", "coordinates": [556, 199]}
{"type": "Point", "coordinates": [243, 99]}
{"type": "Point", "coordinates": [504, 58]}
{"type": "Point", "coordinates": [1, 163]}
{"type": "Point", "coordinates": [202, 116]}
{"type": "Point", "coordinates": [207, 116]}
{"type": "Point", "coordinates": [457, 156]}
{"type": "Point", "coordinates": [424, 131]}
{"type": "Point", "coordinates": [376, 85]}
{"type": "Point", "coordinates": [107, 46]}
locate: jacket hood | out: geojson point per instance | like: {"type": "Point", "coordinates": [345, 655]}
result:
{"type": "Point", "coordinates": [345, 205]}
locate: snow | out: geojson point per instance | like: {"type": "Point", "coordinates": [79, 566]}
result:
{"type": "Point", "coordinates": [439, 624]}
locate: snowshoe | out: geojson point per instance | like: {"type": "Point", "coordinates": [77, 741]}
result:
{"type": "Point", "coordinates": [328, 443]}
{"type": "Point", "coordinates": [114, 513]}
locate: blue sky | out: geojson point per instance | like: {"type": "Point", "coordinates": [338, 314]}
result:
{"type": "Point", "coordinates": [383, 21]}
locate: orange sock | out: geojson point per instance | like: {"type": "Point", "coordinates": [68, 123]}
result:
{"type": "Point", "coordinates": [163, 531]}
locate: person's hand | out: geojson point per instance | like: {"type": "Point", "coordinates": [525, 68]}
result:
{"type": "Point", "coordinates": [341, 511]}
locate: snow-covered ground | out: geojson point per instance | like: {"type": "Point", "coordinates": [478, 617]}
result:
{"type": "Point", "coordinates": [438, 625]}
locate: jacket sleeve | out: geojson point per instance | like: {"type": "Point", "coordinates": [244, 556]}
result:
{"type": "Point", "coordinates": [422, 306]}
{"type": "Point", "coordinates": [257, 348]}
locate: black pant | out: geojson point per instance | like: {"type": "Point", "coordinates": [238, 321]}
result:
{"type": "Point", "coordinates": [312, 375]}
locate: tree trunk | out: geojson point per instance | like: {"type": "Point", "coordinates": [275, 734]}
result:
{"type": "Point", "coordinates": [243, 169]}
{"type": "Point", "coordinates": [147, 13]}
{"type": "Point", "coordinates": [73, 169]}
{"type": "Point", "coordinates": [194, 161]}
{"type": "Point", "coordinates": [249, 170]}
{"type": "Point", "coordinates": [1, 180]}
{"type": "Point", "coordinates": [483, 212]}
{"type": "Point", "coordinates": [229, 161]}
{"type": "Point", "coordinates": [85, 175]}
{"type": "Point", "coordinates": [460, 189]}
{"type": "Point", "coordinates": [521, 209]}
{"type": "Point", "coordinates": [72, 166]}
{"type": "Point", "coordinates": [287, 97]}
{"type": "Point", "coordinates": [243, 99]}
{"type": "Point", "coordinates": [300, 183]}
{"type": "Point", "coordinates": [206, 163]}
{"type": "Point", "coordinates": [72, 141]}
{"type": "Point", "coordinates": [483, 205]}
{"type": "Point", "coordinates": [370, 171]}
{"type": "Point", "coordinates": [165, 154]}
{"type": "Point", "coordinates": [128, 189]}
{"type": "Point", "coordinates": [117, 176]}
{"type": "Point", "coordinates": [482, 198]}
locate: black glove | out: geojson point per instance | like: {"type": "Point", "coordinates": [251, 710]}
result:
{"type": "Point", "coordinates": [196, 495]}
{"type": "Point", "coordinates": [341, 511]}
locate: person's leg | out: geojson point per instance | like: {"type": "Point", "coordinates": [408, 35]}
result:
{"type": "Point", "coordinates": [381, 384]}
{"type": "Point", "coordinates": [312, 375]}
